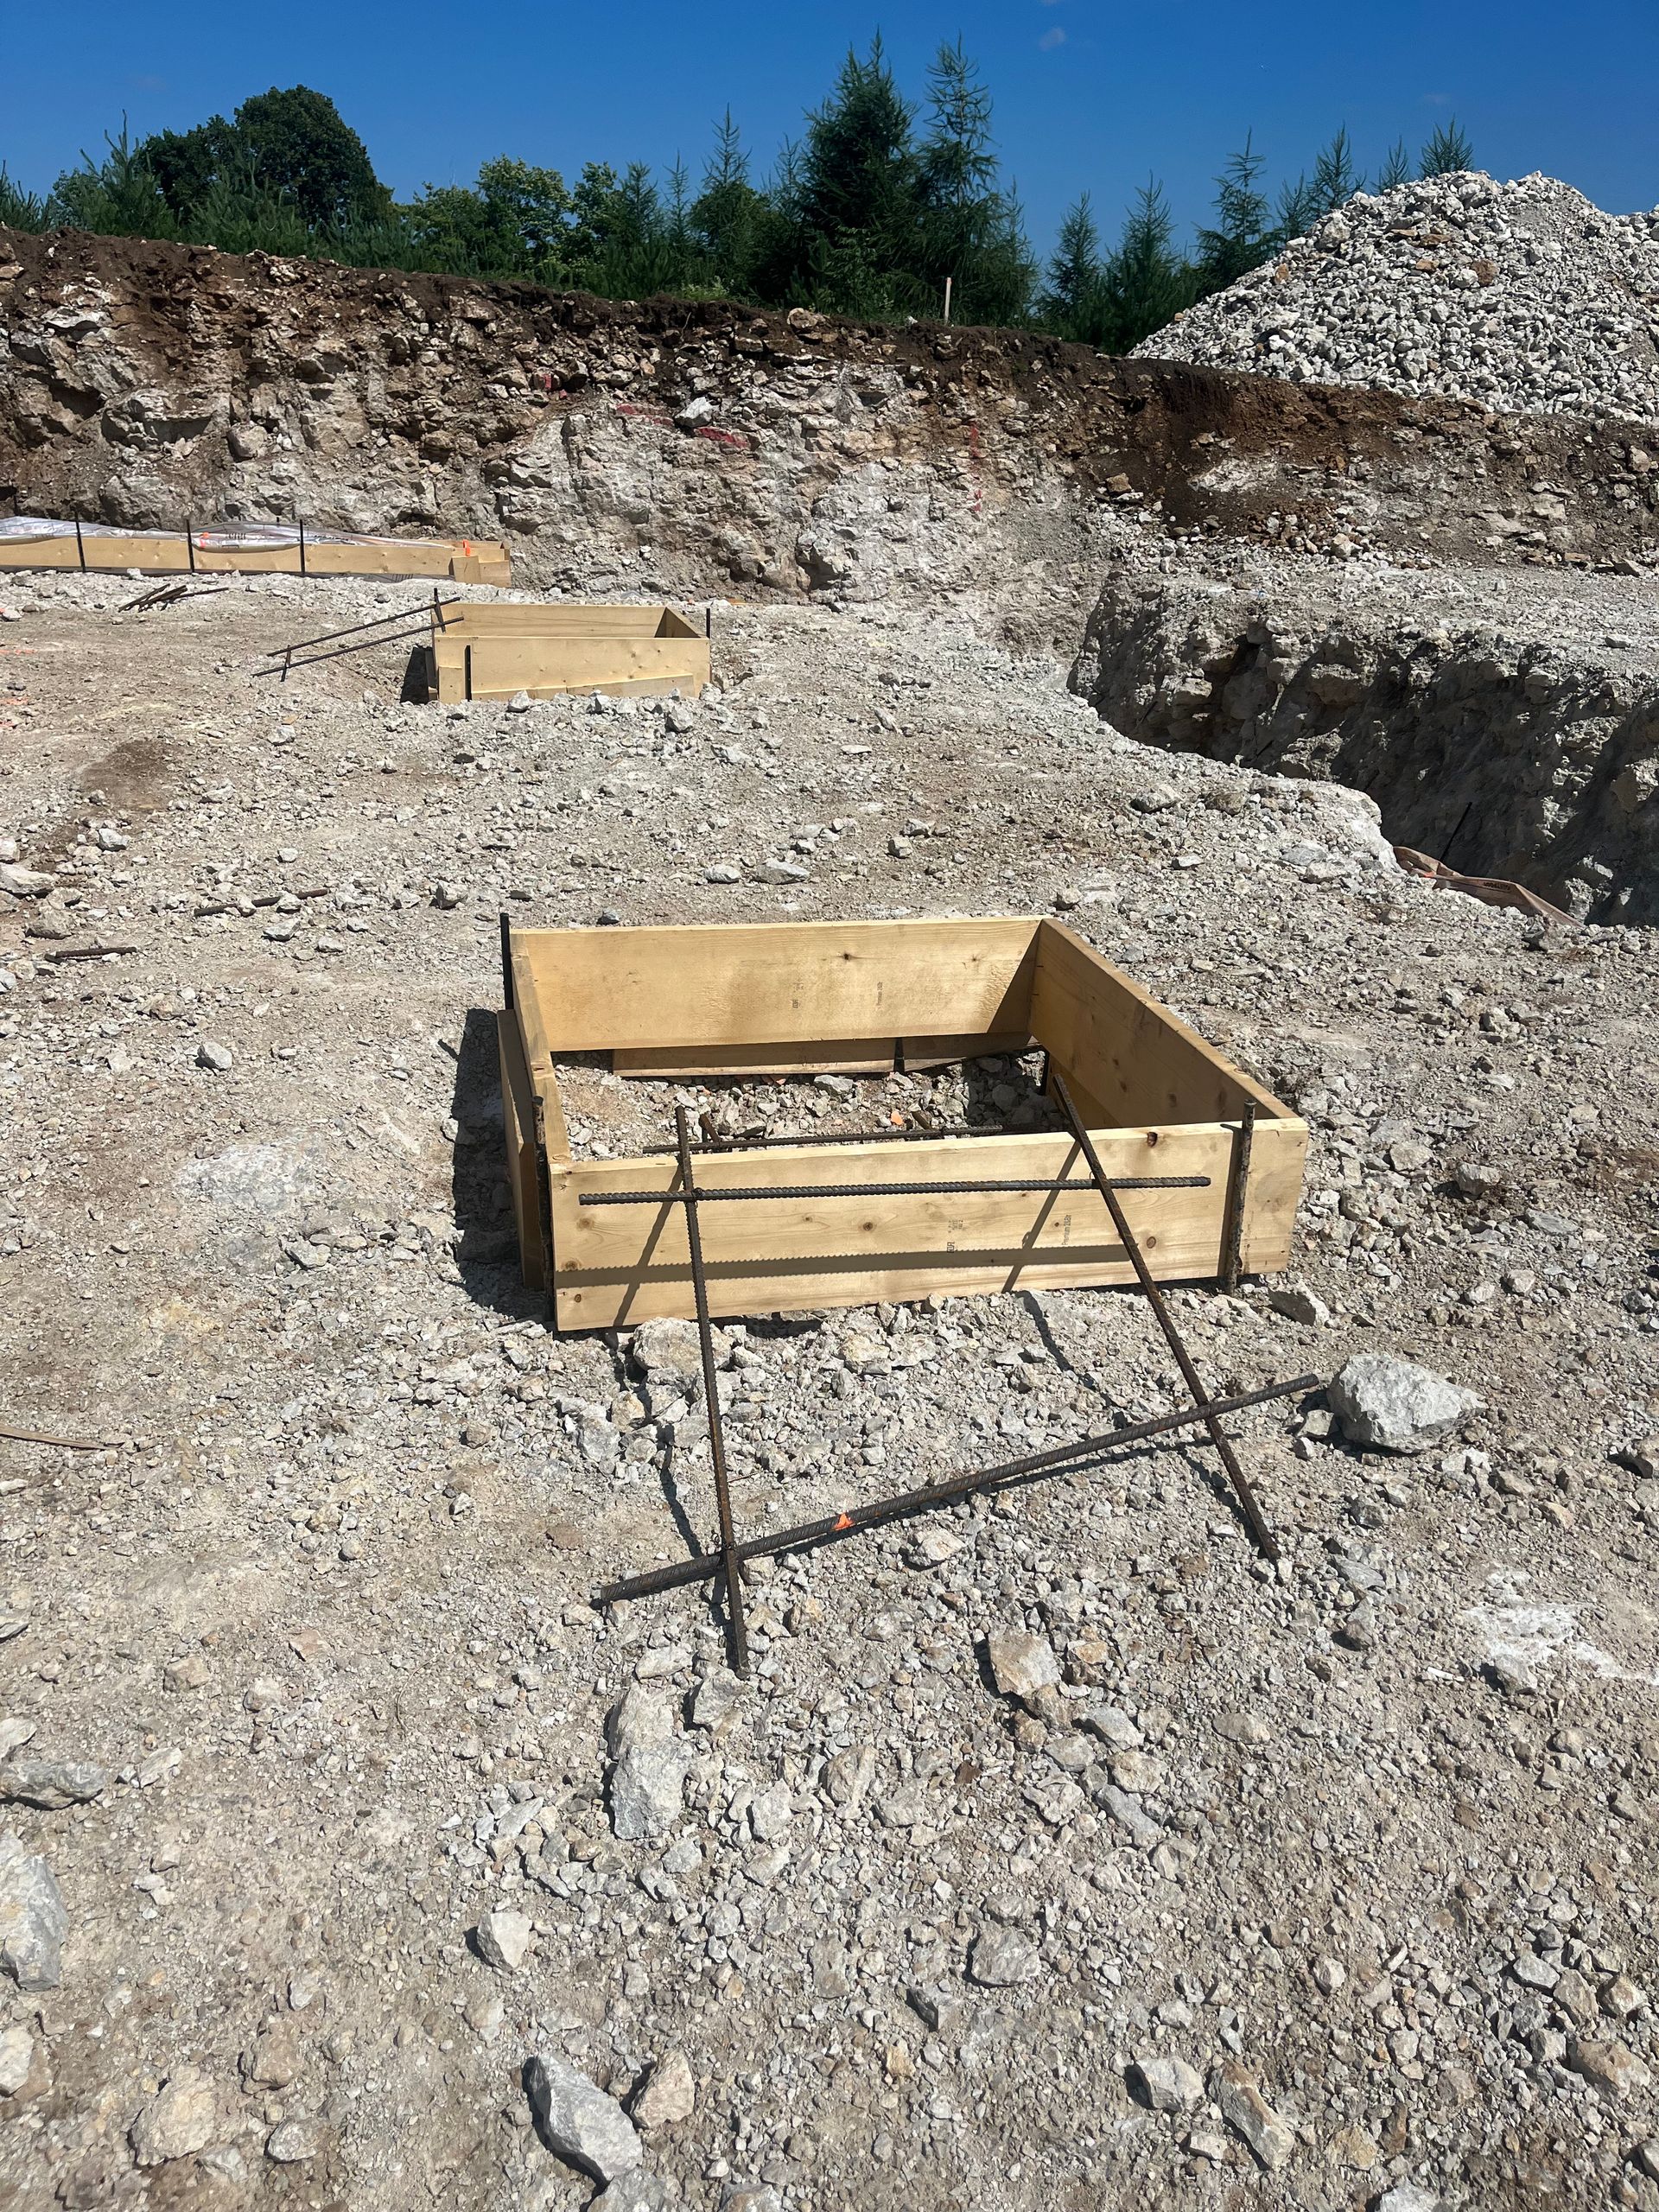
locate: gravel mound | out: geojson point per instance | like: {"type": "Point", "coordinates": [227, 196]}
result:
{"type": "Point", "coordinates": [1524, 297]}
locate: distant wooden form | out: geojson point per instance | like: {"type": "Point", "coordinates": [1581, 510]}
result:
{"type": "Point", "coordinates": [493, 651]}
{"type": "Point", "coordinates": [250, 549]}
{"type": "Point", "coordinates": [793, 997]}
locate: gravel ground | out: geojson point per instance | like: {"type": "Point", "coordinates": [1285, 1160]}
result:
{"type": "Point", "coordinates": [1523, 297]}
{"type": "Point", "coordinates": [1059, 1853]}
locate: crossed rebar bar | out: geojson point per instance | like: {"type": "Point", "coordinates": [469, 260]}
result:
{"type": "Point", "coordinates": [1204, 1410]}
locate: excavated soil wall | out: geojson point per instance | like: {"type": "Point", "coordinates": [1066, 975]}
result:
{"type": "Point", "coordinates": [1508, 731]}
{"type": "Point", "coordinates": [695, 446]}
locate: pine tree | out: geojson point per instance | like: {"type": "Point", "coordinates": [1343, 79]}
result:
{"type": "Point", "coordinates": [1298, 210]}
{"type": "Point", "coordinates": [969, 230]}
{"type": "Point", "coordinates": [1335, 177]}
{"type": "Point", "coordinates": [1240, 238]}
{"type": "Point", "coordinates": [1395, 170]}
{"type": "Point", "coordinates": [858, 181]}
{"type": "Point", "coordinates": [1071, 301]}
{"type": "Point", "coordinates": [1448, 150]}
{"type": "Point", "coordinates": [1145, 283]}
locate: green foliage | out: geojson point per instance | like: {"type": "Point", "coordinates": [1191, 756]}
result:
{"type": "Point", "coordinates": [1395, 170]}
{"type": "Point", "coordinates": [1146, 283]}
{"type": "Point", "coordinates": [1335, 177]}
{"type": "Point", "coordinates": [871, 213]}
{"type": "Point", "coordinates": [118, 195]}
{"type": "Point", "coordinates": [21, 210]}
{"type": "Point", "coordinates": [1447, 150]}
{"type": "Point", "coordinates": [293, 146]}
{"type": "Point", "coordinates": [1072, 299]}
{"type": "Point", "coordinates": [1240, 238]}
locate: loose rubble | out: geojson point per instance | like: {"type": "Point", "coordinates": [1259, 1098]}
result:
{"type": "Point", "coordinates": [1521, 296]}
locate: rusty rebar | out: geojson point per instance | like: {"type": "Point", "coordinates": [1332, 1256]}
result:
{"type": "Point", "coordinates": [1236, 1475]}
{"type": "Point", "coordinates": [1062, 1459]}
{"type": "Point", "coordinates": [736, 1627]}
{"type": "Point", "coordinates": [884, 1190]}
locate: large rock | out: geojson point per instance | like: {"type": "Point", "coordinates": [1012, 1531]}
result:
{"type": "Point", "coordinates": [181, 2119]}
{"type": "Point", "coordinates": [584, 2126]}
{"type": "Point", "coordinates": [1021, 1664]}
{"type": "Point", "coordinates": [1245, 2108]}
{"type": "Point", "coordinates": [650, 1761]}
{"type": "Point", "coordinates": [1385, 1403]}
{"type": "Point", "coordinates": [33, 1921]}
{"type": "Point", "coordinates": [52, 1785]}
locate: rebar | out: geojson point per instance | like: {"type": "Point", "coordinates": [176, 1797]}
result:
{"type": "Point", "coordinates": [736, 1626]}
{"type": "Point", "coordinates": [886, 1190]}
{"type": "Point", "coordinates": [1062, 1459]}
{"type": "Point", "coordinates": [1236, 1475]}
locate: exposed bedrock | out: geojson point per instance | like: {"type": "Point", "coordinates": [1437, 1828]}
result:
{"type": "Point", "coordinates": [695, 446]}
{"type": "Point", "coordinates": [1509, 730]}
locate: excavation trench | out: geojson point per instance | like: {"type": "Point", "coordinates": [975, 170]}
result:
{"type": "Point", "coordinates": [1536, 760]}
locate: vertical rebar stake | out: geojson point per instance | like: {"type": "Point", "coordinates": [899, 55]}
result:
{"type": "Point", "coordinates": [1238, 1192]}
{"type": "Point", "coordinates": [736, 1627]}
{"type": "Point", "coordinates": [300, 518]}
{"type": "Point", "coordinates": [506, 961]}
{"type": "Point", "coordinates": [81, 547]}
{"type": "Point", "coordinates": [1253, 1516]}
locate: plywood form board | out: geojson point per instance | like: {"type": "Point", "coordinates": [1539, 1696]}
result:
{"type": "Point", "coordinates": [793, 982]}
{"type": "Point", "coordinates": [803, 991]}
{"type": "Point", "coordinates": [494, 652]}
{"type": "Point", "coordinates": [617, 1265]}
{"type": "Point", "coordinates": [567, 619]}
{"type": "Point", "coordinates": [469, 562]}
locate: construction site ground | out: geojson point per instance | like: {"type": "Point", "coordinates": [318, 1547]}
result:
{"type": "Point", "coordinates": [1369, 1840]}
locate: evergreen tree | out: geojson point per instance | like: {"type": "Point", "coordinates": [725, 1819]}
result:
{"type": "Point", "coordinates": [1240, 238]}
{"type": "Point", "coordinates": [1395, 170]}
{"type": "Point", "coordinates": [1072, 302]}
{"type": "Point", "coordinates": [1335, 177]}
{"type": "Point", "coordinates": [971, 230]}
{"type": "Point", "coordinates": [1147, 284]}
{"type": "Point", "coordinates": [859, 207]}
{"type": "Point", "coordinates": [119, 195]}
{"type": "Point", "coordinates": [20, 210]}
{"type": "Point", "coordinates": [1447, 150]}
{"type": "Point", "coordinates": [1298, 209]}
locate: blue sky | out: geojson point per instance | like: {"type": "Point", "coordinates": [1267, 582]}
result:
{"type": "Point", "coordinates": [1089, 93]}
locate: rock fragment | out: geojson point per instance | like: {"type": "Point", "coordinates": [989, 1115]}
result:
{"type": "Point", "coordinates": [51, 1785]}
{"type": "Point", "coordinates": [1022, 1665]}
{"type": "Point", "coordinates": [33, 1920]}
{"type": "Point", "coordinates": [1170, 2083]}
{"type": "Point", "coordinates": [503, 1937]}
{"type": "Point", "coordinates": [586, 2127]}
{"type": "Point", "coordinates": [180, 2120]}
{"type": "Point", "coordinates": [1385, 1403]}
{"type": "Point", "coordinates": [669, 2096]}
{"type": "Point", "coordinates": [1248, 2111]}
{"type": "Point", "coordinates": [1002, 1957]}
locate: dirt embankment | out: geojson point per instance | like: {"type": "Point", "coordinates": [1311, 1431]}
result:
{"type": "Point", "coordinates": [698, 445]}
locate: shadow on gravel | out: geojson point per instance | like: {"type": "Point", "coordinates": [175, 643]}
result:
{"type": "Point", "coordinates": [487, 1246]}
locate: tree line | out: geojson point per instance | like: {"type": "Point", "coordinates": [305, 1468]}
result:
{"type": "Point", "coordinates": [879, 201]}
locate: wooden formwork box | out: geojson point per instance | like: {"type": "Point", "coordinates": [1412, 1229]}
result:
{"type": "Point", "coordinates": [493, 651]}
{"type": "Point", "coordinates": [170, 553]}
{"type": "Point", "coordinates": [804, 997]}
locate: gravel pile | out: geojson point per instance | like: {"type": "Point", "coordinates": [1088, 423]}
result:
{"type": "Point", "coordinates": [1524, 297]}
